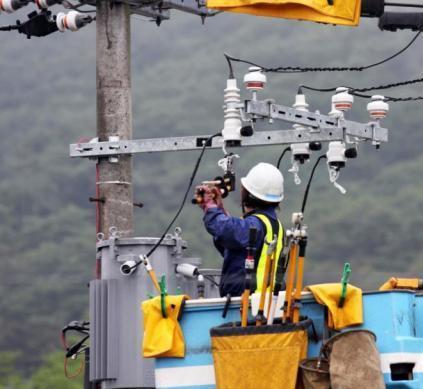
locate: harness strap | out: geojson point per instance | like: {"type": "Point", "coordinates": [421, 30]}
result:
{"type": "Point", "coordinates": [271, 227]}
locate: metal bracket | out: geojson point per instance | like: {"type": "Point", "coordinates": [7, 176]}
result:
{"type": "Point", "coordinates": [177, 237]}
{"type": "Point", "coordinates": [364, 131]}
{"type": "Point", "coordinates": [113, 238]}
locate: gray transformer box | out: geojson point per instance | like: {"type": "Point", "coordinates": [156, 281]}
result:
{"type": "Point", "coordinates": [116, 320]}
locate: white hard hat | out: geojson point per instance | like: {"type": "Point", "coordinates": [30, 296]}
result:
{"type": "Point", "coordinates": [265, 182]}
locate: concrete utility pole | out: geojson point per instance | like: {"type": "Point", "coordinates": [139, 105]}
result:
{"type": "Point", "coordinates": [114, 114]}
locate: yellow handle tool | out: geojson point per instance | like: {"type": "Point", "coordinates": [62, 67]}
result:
{"type": "Point", "coordinates": [290, 281]}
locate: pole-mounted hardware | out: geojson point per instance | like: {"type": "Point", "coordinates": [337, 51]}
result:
{"type": "Point", "coordinates": [328, 133]}
{"type": "Point", "coordinates": [308, 127]}
{"type": "Point", "coordinates": [97, 200]}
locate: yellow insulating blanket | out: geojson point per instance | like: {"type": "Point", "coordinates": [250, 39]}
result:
{"type": "Point", "coordinates": [163, 337]}
{"type": "Point", "coordinates": [259, 361]}
{"type": "Point", "coordinates": [350, 314]}
{"type": "Point", "coordinates": [345, 12]}
{"type": "Point", "coordinates": [401, 283]}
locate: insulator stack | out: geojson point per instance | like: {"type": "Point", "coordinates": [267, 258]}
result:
{"type": "Point", "coordinates": [342, 100]}
{"type": "Point", "coordinates": [255, 80]}
{"type": "Point", "coordinates": [378, 108]}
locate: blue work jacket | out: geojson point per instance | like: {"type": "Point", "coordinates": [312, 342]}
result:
{"type": "Point", "coordinates": [230, 235]}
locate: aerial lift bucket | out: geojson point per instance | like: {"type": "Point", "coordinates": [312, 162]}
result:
{"type": "Point", "coordinates": [315, 373]}
{"type": "Point", "coordinates": [258, 357]}
{"type": "Point", "coordinates": [354, 361]}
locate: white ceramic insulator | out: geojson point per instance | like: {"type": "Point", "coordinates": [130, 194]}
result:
{"type": "Point", "coordinates": [378, 108]}
{"type": "Point", "coordinates": [300, 149]}
{"type": "Point", "coordinates": [255, 79]}
{"type": "Point", "coordinates": [187, 270]}
{"type": "Point", "coordinates": [300, 103]}
{"type": "Point", "coordinates": [342, 100]}
{"type": "Point", "coordinates": [297, 218]}
{"type": "Point", "coordinates": [42, 4]}
{"type": "Point", "coordinates": [7, 6]}
{"type": "Point", "coordinates": [232, 125]}
{"type": "Point", "coordinates": [336, 152]}
{"type": "Point", "coordinates": [335, 113]}
{"type": "Point", "coordinates": [68, 21]}
{"type": "Point", "coordinates": [60, 21]}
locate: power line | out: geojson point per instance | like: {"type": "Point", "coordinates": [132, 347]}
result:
{"type": "Point", "coordinates": [368, 89]}
{"type": "Point", "coordinates": [191, 180]}
{"type": "Point", "coordinates": [299, 69]}
{"type": "Point", "coordinates": [357, 91]}
{"type": "Point", "coordinates": [389, 98]}
{"type": "Point", "coordinates": [9, 28]}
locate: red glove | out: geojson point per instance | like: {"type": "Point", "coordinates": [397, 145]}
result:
{"type": "Point", "coordinates": [207, 196]}
{"type": "Point", "coordinates": [218, 197]}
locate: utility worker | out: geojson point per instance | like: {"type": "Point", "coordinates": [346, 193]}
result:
{"type": "Point", "coordinates": [261, 193]}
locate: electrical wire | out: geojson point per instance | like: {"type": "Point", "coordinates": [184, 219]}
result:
{"type": "Point", "coordinates": [191, 180]}
{"type": "Point", "coordinates": [231, 70]}
{"type": "Point", "coordinates": [9, 28]}
{"type": "Point", "coordinates": [389, 98]}
{"type": "Point", "coordinates": [210, 278]}
{"type": "Point", "coordinates": [298, 69]}
{"type": "Point", "coordinates": [309, 182]}
{"type": "Point", "coordinates": [80, 327]}
{"type": "Point", "coordinates": [355, 91]}
{"type": "Point", "coordinates": [281, 156]}
{"type": "Point", "coordinates": [368, 89]}
{"type": "Point", "coordinates": [78, 372]}
{"type": "Point", "coordinates": [403, 5]}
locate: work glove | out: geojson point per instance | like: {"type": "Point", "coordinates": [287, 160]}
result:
{"type": "Point", "coordinates": [211, 197]}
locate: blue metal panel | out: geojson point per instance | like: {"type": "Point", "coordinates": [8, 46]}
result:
{"type": "Point", "coordinates": [419, 315]}
{"type": "Point", "coordinates": [396, 317]}
{"type": "Point", "coordinates": [389, 315]}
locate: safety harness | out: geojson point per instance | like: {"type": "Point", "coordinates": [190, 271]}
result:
{"type": "Point", "coordinates": [271, 227]}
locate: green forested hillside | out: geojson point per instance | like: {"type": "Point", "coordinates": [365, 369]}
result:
{"type": "Point", "coordinates": [47, 100]}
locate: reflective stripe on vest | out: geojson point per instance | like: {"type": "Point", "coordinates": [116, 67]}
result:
{"type": "Point", "coordinates": [263, 254]}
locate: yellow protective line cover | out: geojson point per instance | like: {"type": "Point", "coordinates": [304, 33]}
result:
{"type": "Point", "coordinates": [344, 12]}
{"type": "Point", "coordinates": [352, 311]}
{"type": "Point", "coordinates": [163, 337]}
{"type": "Point", "coordinates": [401, 283]}
{"type": "Point", "coordinates": [265, 357]}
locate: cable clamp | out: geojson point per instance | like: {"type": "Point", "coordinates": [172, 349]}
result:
{"type": "Point", "coordinates": [113, 182]}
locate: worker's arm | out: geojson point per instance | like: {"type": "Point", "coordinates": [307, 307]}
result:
{"type": "Point", "coordinates": [231, 232]}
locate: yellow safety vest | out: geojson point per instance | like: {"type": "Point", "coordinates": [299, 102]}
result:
{"type": "Point", "coordinates": [262, 259]}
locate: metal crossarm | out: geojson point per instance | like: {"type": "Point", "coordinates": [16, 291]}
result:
{"type": "Point", "coordinates": [184, 143]}
{"type": "Point", "coordinates": [260, 138]}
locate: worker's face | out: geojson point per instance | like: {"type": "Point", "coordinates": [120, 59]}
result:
{"type": "Point", "coordinates": [244, 196]}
